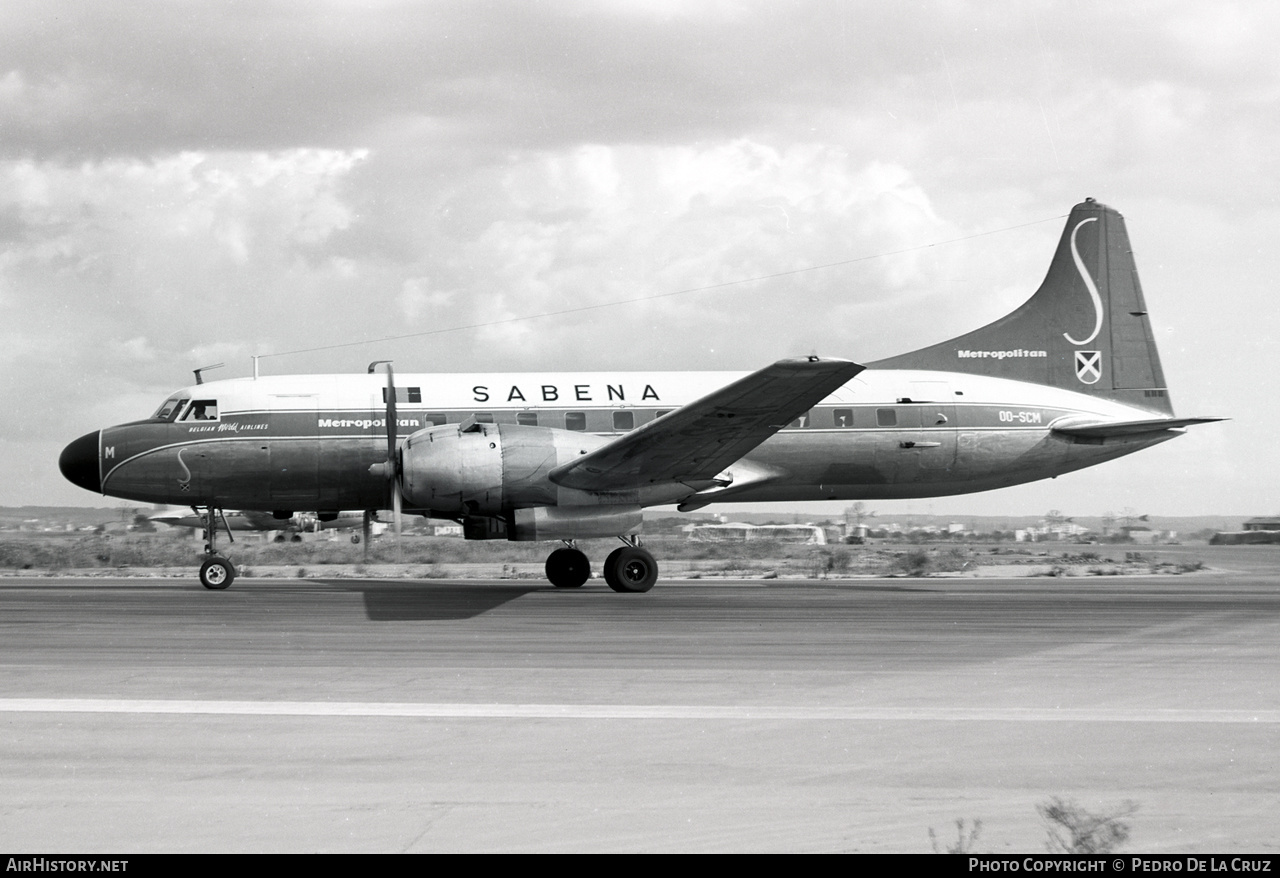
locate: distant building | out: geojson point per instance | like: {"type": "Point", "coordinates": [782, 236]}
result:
{"type": "Point", "coordinates": [1271, 522]}
{"type": "Point", "coordinates": [741, 532]}
{"type": "Point", "coordinates": [1051, 531]}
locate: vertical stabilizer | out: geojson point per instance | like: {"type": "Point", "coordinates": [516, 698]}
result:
{"type": "Point", "coordinates": [1086, 328]}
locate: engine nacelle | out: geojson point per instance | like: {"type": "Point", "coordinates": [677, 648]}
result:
{"type": "Point", "coordinates": [490, 469]}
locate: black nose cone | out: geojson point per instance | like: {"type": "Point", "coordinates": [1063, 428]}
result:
{"type": "Point", "coordinates": [79, 463]}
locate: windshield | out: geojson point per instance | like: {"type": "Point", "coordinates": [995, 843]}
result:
{"type": "Point", "coordinates": [169, 410]}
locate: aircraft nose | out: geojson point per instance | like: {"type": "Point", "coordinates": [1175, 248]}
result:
{"type": "Point", "coordinates": [79, 462]}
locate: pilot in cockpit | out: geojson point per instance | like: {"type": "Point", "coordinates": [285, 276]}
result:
{"type": "Point", "coordinates": [202, 410]}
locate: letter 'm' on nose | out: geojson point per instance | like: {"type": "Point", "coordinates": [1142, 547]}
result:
{"type": "Point", "coordinates": [79, 463]}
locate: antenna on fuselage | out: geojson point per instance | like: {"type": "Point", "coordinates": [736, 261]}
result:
{"type": "Point", "coordinates": [199, 377]}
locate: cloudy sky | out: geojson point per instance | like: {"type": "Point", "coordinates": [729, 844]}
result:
{"type": "Point", "coordinates": [183, 183]}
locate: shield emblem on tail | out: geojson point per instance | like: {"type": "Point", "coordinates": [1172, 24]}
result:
{"type": "Point", "coordinates": [1089, 366]}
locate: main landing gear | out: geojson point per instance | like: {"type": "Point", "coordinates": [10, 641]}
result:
{"type": "Point", "coordinates": [568, 567]}
{"type": "Point", "coordinates": [216, 572]}
{"type": "Point", "coordinates": [629, 568]}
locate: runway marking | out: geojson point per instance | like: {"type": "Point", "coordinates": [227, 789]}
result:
{"type": "Point", "coordinates": [630, 711]}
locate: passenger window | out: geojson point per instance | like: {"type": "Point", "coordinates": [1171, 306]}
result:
{"type": "Point", "coordinates": [434, 419]}
{"type": "Point", "coordinates": [404, 394]}
{"type": "Point", "coordinates": [660, 412]}
{"type": "Point", "coordinates": [844, 417]}
{"type": "Point", "coordinates": [886, 417]}
{"type": "Point", "coordinates": [202, 410]}
{"type": "Point", "coordinates": [484, 417]}
{"type": "Point", "coordinates": [576, 421]}
{"type": "Point", "coordinates": [623, 421]}
{"type": "Point", "coordinates": [801, 422]}
{"type": "Point", "coordinates": [527, 419]}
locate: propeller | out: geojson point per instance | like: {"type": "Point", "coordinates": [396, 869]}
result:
{"type": "Point", "coordinates": [391, 467]}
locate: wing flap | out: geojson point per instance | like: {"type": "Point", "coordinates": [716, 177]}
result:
{"type": "Point", "coordinates": [701, 439]}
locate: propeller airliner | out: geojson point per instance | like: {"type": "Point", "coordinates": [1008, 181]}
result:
{"type": "Point", "coordinates": [256, 521]}
{"type": "Point", "coordinates": [1068, 380]}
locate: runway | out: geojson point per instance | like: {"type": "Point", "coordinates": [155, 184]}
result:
{"type": "Point", "coordinates": [346, 715]}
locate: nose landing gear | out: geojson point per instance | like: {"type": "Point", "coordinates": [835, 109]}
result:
{"type": "Point", "coordinates": [217, 572]}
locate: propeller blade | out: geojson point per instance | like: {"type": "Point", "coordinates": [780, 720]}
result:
{"type": "Point", "coordinates": [396, 506]}
{"type": "Point", "coordinates": [391, 415]}
{"type": "Point", "coordinates": [395, 509]}
{"type": "Point", "coordinates": [393, 456]}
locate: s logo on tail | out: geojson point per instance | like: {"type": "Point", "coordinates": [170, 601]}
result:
{"type": "Point", "coordinates": [1090, 285]}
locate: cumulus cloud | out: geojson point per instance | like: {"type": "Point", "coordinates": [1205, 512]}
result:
{"type": "Point", "coordinates": [574, 230]}
{"type": "Point", "coordinates": [125, 267]}
{"type": "Point", "coordinates": [184, 186]}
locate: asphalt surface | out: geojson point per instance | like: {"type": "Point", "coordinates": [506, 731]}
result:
{"type": "Point", "coordinates": [344, 715]}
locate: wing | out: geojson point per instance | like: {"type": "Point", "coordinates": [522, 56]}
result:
{"type": "Point", "coordinates": [701, 439]}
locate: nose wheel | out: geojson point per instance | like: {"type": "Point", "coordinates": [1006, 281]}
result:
{"type": "Point", "coordinates": [217, 572]}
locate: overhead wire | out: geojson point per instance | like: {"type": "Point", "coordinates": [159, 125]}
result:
{"type": "Point", "coordinates": [655, 296]}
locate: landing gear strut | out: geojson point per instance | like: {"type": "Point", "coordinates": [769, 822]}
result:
{"type": "Point", "coordinates": [568, 567]}
{"type": "Point", "coordinates": [216, 572]}
{"type": "Point", "coordinates": [630, 568]}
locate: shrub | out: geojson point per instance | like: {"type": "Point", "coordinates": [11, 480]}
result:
{"type": "Point", "coordinates": [964, 840]}
{"type": "Point", "coordinates": [1074, 830]}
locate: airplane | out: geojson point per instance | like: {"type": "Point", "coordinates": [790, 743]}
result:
{"type": "Point", "coordinates": [1068, 380]}
{"type": "Point", "coordinates": [251, 520]}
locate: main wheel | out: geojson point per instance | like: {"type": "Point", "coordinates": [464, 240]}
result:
{"type": "Point", "coordinates": [568, 568]}
{"type": "Point", "coordinates": [630, 569]}
{"type": "Point", "coordinates": [217, 573]}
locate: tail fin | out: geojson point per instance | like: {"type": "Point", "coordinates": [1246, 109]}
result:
{"type": "Point", "coordinates": [1085, 329]}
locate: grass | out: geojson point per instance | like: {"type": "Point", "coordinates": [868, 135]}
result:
{"type": "Point", "coordinates": [433, 556]}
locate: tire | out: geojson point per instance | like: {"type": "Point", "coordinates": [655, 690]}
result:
{"type": "Point", "coordinates": [610, 569]}
{"type": "Point", "coordinates": [630, 570]}
{"type": "Point", "coordinates": [568, 568]}
{"type": "Point", "coordinates": [217, 573]}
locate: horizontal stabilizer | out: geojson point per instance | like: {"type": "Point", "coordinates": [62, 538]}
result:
{"type": "Point", "coordinates": [1113, 429]}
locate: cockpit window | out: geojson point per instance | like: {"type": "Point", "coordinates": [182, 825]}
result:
{"type": "Point", "coordinates": [202, 410]}
{"type": "Point", "coordinates": [169, 410]}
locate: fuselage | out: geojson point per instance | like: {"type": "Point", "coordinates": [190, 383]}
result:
{"type": "Point", "coordinates": [307, 442]}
